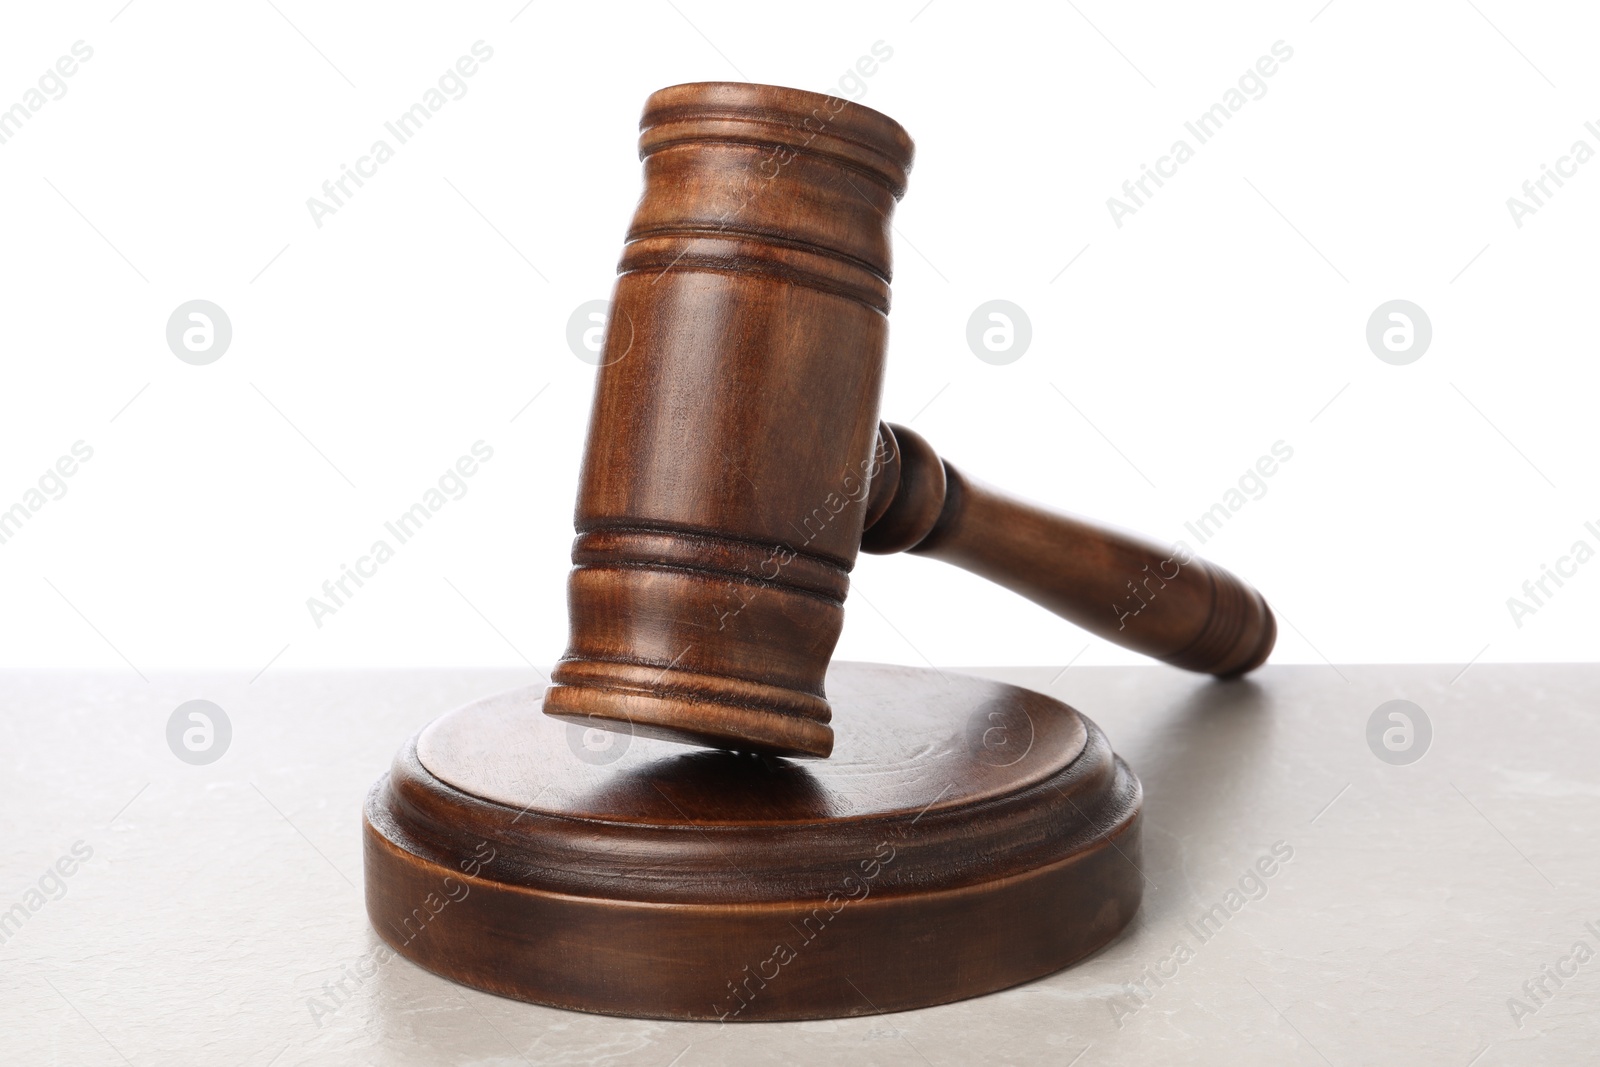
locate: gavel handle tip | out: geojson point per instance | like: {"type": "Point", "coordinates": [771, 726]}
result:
{"type": "Point", "coordinates": [1269, 638]}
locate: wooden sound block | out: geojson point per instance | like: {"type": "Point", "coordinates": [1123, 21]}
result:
{"type": "Point", "coordinates": [965, 836]}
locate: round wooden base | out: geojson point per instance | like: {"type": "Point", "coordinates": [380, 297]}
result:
{"type": "Point", "coordinates": [965, 836]}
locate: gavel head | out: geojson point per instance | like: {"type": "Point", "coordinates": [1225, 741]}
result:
{"type": "Point", "coordinates": [734, 439]}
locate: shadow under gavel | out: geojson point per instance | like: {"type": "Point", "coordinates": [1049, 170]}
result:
{"type": "Point", "coordinates": [1170, 605]}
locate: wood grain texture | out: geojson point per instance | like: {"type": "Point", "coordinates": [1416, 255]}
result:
{"type": "Point", "coordinates": [724, 482]}
{"type": "Point", "coordinates": [735, 466]}
{"type": "Point", "coordinates": [1166, 603]}
{"type": "Point", "coordinates": [968, 835]}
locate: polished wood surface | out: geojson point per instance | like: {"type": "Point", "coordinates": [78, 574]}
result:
{"type": "Point", "coordinates": [1166, 603]}
{"type": "Point", "coordinates": [967, 835]}
{"type": "Point", "coordinates": [735, 465]}
{"type": "Point", "coordinates": [735, 418]}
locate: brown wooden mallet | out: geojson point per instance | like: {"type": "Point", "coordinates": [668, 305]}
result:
{"type": "Point", "coordinates": [963, 835]}
{"type": "Point", "coordinates": [735, 456]}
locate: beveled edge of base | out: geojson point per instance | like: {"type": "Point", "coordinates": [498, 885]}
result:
{"type": "Point", "coordinates": [1115, 854]}
{"type": "Point", "coordinates": [505, 928]}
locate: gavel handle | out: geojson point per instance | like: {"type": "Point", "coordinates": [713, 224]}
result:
{"type": "Point", "coordinates": [1165, 603]}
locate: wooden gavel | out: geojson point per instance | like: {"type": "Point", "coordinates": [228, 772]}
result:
{"type": "Point", "coordinates": [735, 463]}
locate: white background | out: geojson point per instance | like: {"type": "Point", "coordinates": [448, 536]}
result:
{"type": "Point", "coordinates": [1227, 314]}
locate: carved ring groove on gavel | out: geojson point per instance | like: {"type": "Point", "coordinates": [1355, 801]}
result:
{"type": "Point", "coordinates": [735, 463]}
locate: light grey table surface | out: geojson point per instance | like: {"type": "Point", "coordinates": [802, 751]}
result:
{"type": "Point", "coordinates": [1422, 904]}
